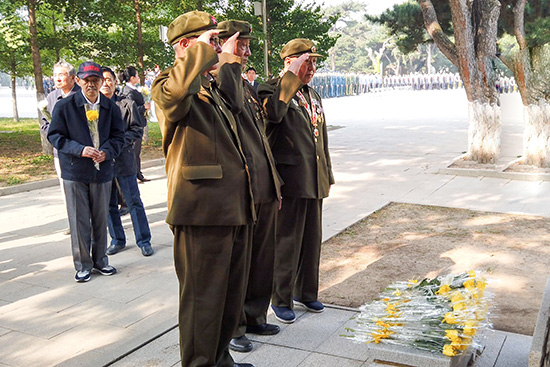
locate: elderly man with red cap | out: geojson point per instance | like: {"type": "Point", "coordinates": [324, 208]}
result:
{"type": "Point", "coordinates": [210, 201]}
{"type": "Point", "coordinates": [298, 136]}
{"type": "Point", "coordinates": [88, 132]}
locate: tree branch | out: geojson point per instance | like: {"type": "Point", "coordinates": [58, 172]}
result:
{"type": "Point", "coordinates": [519, 28]}
{"type": "Point", "coordinates": [447, 47]}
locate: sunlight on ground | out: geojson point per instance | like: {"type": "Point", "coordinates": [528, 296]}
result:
{"type": "Point", "coordinates": [471, 257]}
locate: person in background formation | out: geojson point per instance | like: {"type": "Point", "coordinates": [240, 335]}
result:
{"type": "Point", "coordinates": [64, 76]}
{"type": "Point", "coordinates": [88, 133]}
{"type": "Point", "coordinates": [265, 188]}
{"type": "Point", "coordinates": [210, 201]}
{"type": "Point", "coordinates": [131, 79]}
{"type": "Point", "coordinates": [299, 140]}
{"type": "Point", "coordinates": [125, 175]}
{"type": "Point", "coordinates": [251, 78]}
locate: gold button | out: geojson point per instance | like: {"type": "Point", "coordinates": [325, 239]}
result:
{"type": "Point", "coordinates": [317, 157]}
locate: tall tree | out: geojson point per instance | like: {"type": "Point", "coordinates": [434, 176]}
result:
{"type": "Point", "coordinates": [529, 60]}
{"type": "Point", "coordinates": [14, 53]}
{"type": "Point", "coordinates": [473, 26]}
{"type": "Point", "coordinates": [286, 19]}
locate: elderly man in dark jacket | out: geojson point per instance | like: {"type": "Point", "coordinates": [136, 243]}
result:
{"type": "Point", "coordinates": [126, 170]}
{"type": "Point", "coordinates": [88, 133]}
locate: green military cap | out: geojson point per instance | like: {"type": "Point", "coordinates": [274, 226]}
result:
{"type": "Point", "coordinates": [190, 24]}
{"type": "Point", "coordinates": [299, 46]}
{"type": "Point", "coordinates": [230, 27]}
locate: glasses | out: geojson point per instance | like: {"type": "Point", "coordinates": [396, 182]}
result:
{"type": "Point", "coordinates": [215, 41]}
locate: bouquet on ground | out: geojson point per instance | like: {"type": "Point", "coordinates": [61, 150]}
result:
{"type": "Point", "coordinates": [440, 315]}
{"type": "Point", "coordinates": [92, 115]}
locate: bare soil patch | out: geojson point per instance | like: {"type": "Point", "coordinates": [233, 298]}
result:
{"type": "Point", "coordinates": [405, 241]}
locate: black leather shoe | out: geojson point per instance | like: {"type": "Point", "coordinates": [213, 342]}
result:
{"type": "Point", "coordinates": [243, 365]}
{"type": "Point", "coordinates": [263, 329]}
{"type": "Point", "coordinates": [147, 250]}
{"type": "Point", "coordinates": [113, 249]}
{"type": "Point", "coordinates": [240, 344]}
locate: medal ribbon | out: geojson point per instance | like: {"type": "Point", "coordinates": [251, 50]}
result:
{"type": "Point", "coordinates": [311, 110]}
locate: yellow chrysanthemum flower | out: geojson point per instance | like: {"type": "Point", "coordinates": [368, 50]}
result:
{"type": "Point", "coordinates": [470, 328]}
{"type": "Point", "coordinates": [472, 274]}
{"type": "Point", "coordinates": [92, 115]}
{"type": "Point", "coordinates": [444, 289]}
{"type": "Point", "coordinates": [470, 284]}
{"type": "Point", "coordinates": [448, 350]}
{"type": "Point", "coordinates": [457, 296]}
{"type": "Point", "coordinates": [459, 306]}
{"type": "Point", "coordinates": [449, 318]}
{"type": "Point", "coordinates": [451, 334]}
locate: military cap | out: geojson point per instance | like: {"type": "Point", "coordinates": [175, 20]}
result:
{"type": "Point", "coordinates": [190, 24]}
{"type": "Point", "coordinates": [299, 46]}
{"type": "Point", "coordinates": [230, 27]}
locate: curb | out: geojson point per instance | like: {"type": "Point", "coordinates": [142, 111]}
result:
{"type": "Point", "coordinates": [37, 185]}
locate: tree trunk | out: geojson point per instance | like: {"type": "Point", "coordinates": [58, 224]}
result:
{"type": "Point", "coordinates": [536, 134]}
{"type": "Point", "coordinates": [13, 91]}
{"type": "Point", "coordinates": [473, 51]}
{"type": "Point", "coordinates": [530, 67]}
{"type": "Point", "coordinates": [484, 130]}
{"type": "Point", "coordinates": [37, 64]}
{"type": "Point", "coordinates": [139, 41]}
{"type": "Point", "coordinates": [429, 49]}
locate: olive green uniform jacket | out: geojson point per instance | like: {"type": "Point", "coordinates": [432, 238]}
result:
{"type": "Point", "coordinates": [303, 160]}
{"type": "Point", "coordinates": [208, 179]}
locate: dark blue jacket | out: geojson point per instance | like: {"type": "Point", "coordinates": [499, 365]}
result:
{"type": "Point", "coordinates": [69, 134]}
{"type": "Point", "coordinates": [133, 131]}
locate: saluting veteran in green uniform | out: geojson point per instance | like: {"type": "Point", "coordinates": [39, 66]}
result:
{"type": "Point", "coordinates": [265, 186]}
{"type": "Point", "coordinates": [297, 132]}
{"type": "Point", "coordinates": [210, 203]}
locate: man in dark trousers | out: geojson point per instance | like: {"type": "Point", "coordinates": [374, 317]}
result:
{"type": "Point", "coordinates": [88, 132]}
{"type": "Point", "coordinates": [298, 136]}
{"type": "Point", "coordinates": [125, 172]}
{"type": "Point", "coordinates": [64, 76]}
{"type": "Point", "coordinates": [210, 203]}
{"type": "Point", "coordinates": [265, 186]}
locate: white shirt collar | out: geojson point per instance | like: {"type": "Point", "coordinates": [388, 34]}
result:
{"type": "Point", "coordinates": [88, 101]}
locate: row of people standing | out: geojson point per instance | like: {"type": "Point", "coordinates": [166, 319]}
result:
{"type": "Point", "coordinates": [93, 132]}
{"type": "Point", "coordinates": [336, 84]}
{"type": "Point", "coordinates": [247, 174]}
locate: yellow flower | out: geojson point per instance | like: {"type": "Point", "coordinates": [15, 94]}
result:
{"type": "Point", "coordinates": [457, 296]}
{"type": "Point", "coordinates": [443, 289]}
{"type": "Point", "coordinates": [470, 284]}
{"type": "Point", "coordinates": [469, 328]}
{"type": "Point", "coordinates": [449, 318]}
{"type": "Point", "coordinates": [480, 284]}
{"type": "Point", "coordinates": [92, 115]}
{"type": "Point", "coordinates": [451, 334]}
{"type": "Point", "coordinates": [472, 274]}
{"type": "Point", "coordinates": [448, 350]}
{"type": "Point", "coordinates": [459, 306]}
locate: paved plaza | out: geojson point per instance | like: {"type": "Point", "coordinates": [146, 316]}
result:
{"type": "Point", "coordinates": [386, 147]}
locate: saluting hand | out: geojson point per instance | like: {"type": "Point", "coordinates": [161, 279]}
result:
{"type": "Point", "coordinates": [296, 65]}
{"type": "Point", "coordinates": [206, 36]}
{"type": "Point", "coordinates": [229, 45]}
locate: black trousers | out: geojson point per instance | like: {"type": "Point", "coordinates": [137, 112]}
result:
{"type": "Point", "coordinates": [260, 277]}
{"type": "Point", "coordinates": [211, 265]}
{"type": "Point", "coordinates": [297, 251]}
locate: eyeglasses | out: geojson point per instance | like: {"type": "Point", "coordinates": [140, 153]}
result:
{"type": "Point", "coordinates": [215, 41]}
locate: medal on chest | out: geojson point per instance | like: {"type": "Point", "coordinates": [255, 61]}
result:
{"type": "Point", "coordinates": [314, 111]}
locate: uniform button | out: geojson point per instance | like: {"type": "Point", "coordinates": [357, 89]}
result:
{"type": "Point", "coordinates": [316, 140]}
{"type": "Point", "coordinates": [317, 157]}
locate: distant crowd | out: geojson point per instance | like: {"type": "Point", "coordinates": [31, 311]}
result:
{"type": "Point", "coordinates": [332, 84]}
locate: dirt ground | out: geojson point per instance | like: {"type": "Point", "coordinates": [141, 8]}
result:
{"type": "Point", "coordinates": [405, 241]}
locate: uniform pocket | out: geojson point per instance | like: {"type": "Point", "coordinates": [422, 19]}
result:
{"type": "Point", "coordinates": [203, 172]}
